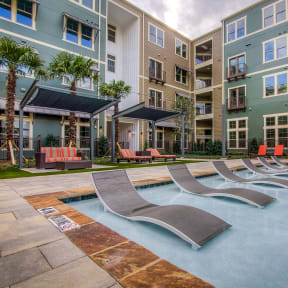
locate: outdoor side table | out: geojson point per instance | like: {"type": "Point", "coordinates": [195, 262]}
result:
{"type": "Point", "coordinates": [72, 165]}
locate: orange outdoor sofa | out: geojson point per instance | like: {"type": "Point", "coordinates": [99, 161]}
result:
{"type": "Point", "coordinates": [156, 155]}
{"type": "Point", "coordinates": [128, 155]}
{"type": "Point", "coordinates": [48, 156]}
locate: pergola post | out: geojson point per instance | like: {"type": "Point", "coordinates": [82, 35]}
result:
{"type": "Point", "coordinates": [21, 138]}
{"type": "Point", "coordinates": [183, 135]}
{"type": "Point", "coordinates": [113, 139]}
{"type": "Point", "coordinates": [92, 138]}
{"type": "Point", "coordinates": [153, 135]}
{"type": "Point", "coordinates": [224, 130]}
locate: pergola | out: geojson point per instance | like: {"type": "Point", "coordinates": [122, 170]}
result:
{"type": "Point", "coordinates": [50, 99]}
{"type": "Point", "coordinates": [154, 115]}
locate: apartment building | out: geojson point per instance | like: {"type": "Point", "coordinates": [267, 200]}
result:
{"type": "Point", "coordinates": [256, 73]}
{"type": "Point", "coordinates": [206, 54]}
{"type": "Point", "coordinates": [50, 27]}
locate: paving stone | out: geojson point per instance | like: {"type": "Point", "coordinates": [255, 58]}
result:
{"type": "Point", "coordinates": [26, 233]}
{"type": "Point", "coordinates": [94, 237]}
{"type": "Point", "coordinates": [12, 204]}
{"type": "Point", "coordinates": [124, 259]}
{"type": "Point", "coordinates": [21, 266]}
{"type": "Point", "coordinates": [25, 212]}
{"type": "Point", "coordinates": [117, 285]}
{"type": "Point", "coordinates": [61, 252]}
{"type": "Point", "coordinates": [82, 273]}
{"type": "Point", "coordinates": [7, 217]}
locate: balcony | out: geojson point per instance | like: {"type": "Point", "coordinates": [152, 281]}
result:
{"type": "Point", "coordinates": [240, 104]}
{"type": "Point", "coordinates": [236, 72]}
{"type": "Point", "coordinates": [203, 111]}
{"type": "Point", "coordinates": [203, 61]}
{"type": "Point", "coordinates": [203, 85]}
{"type": "Point", "coordinates": [157, 76]}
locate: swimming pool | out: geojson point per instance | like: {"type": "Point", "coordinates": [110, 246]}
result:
{"type": "Point", "coordinates": [253, 253]}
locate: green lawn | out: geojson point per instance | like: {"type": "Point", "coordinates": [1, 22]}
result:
{"type": "Point", "coordinates": [12, 172]}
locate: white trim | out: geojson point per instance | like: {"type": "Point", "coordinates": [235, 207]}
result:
{"type": "Point", "coordinates": [181, 51]}
{"type": "Point", "coordinates": [115, 61]}
{"type": "Point", "coordinates": [181, 76]}
{"type": "Point", "coordinates": [237, 130]}
{"type": "Point", "coordinates": [162, 96]}
{"type": "Point", "coordinates": [236, 87]}
{"type": "Point", "coordinates": [274, 40]}
{"type": "Point", "coordinates": [275, 84]}
{"type": "Point", "coordinates": [115, 26]}
{"type": "Point", "coordinates": [157, 28]}
{"type": "Point", "coordinates": [236, 29]}
{"type": "Point", "coordinates": [86, 7]}
{"type": "Point", "coordinates": [275, 23]}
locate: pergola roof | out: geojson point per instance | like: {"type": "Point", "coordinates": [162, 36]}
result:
{"type": "Point", "coordinates": [65, 100]}
{"type": "Point", "coordinates": [143, 112]}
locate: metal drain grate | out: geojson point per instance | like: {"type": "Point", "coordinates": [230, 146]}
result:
{"type": "Point", "coordinates": [63, 223]}
{"type": "Point", "coordinates": [47, 211]}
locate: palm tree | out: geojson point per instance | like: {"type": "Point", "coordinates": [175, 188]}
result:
{"type": "Point", "coordinates": [73, 69]}
{"type": "Point", "coordinates": [118, 90]}
{"type": "Point", "coordinates": [17, 59]}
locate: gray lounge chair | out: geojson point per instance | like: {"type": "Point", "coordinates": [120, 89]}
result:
{"type": "Point", "coordinates": [118, 195]}
{"type": "Point", "coordinates": [276, 168]}
{"type": "Point", "coordinates": [186, 182]}
{"type": "Point", "coordinates": [250, 166]}
{"type": "Point", "coordinates": [277, 161]}
{"type": "Point", "coordinates": [228, 175]}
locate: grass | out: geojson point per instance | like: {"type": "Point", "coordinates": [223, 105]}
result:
{"type": "Point", "coordinates": [13, 172]}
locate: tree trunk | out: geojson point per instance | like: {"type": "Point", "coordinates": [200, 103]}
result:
{"type": "Point", "coordinates": [10, 108]}
{"type": "Point", "coordinates": [72, 120]}
{"type": "Point", "coordinates": [117, 128]}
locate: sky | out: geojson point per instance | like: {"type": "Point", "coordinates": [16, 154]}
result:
{"type": "Point", "coordinates": [192, 18]}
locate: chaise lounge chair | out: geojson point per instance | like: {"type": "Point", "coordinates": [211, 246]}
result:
{"type": "Point", "coordinates": [262, 151]}
{"type": "Point", "coordinates": [279, 150]}
{"type": "Point", "coordinates": [275, 168]}
{"type": "Point", "coordinates": [228, 175]}
{"type": "Point", "coordinates": [250, 166]}
{"type": "Point", "coordinates": [156, 155]}
{"type": "Point", "coordinates": [186, 182]}
{"type": "Point", "coordinates": [119, 196]}
{"type": "Point", "coordinates": [128, 155]}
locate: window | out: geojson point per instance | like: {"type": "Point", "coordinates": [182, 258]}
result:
{"type": "Point", "coordinates": [237, 66]}
{"type": "Point", "coordinates": [155, 69]}
{"type": "Point", "coordinates": [19, 11]}
{"type": "Point", "coordinates": [156, 35]}
{"type": "Point", "coordinates": [276, 84]}
{"type": "Point", "coordinates": [155, 98]}
{"type": "Point", "coordinates": [159, 138]}
{"type": "Point", "coordinates": [5, 9]}
{"type": "Point", "coordinates": [237, 98]}
{"type": "Point", "coordinates": [236, 29]}
{"type": "Point", "coordinates": [275, 49]}
{"type": "Point", "coordinates": [84, 135]}
{"type": "Point", "coordinates": [111, 62]}
{"type": "Point", "coordinates": [79, 33]}
{"type": "Point", "coordinates": [274, 14]}
{"type": "Point", "coordinates": [276, 130]}
{"type": "Point", "coordinates": [180, 75]}
{"type": "Point", "coordinates": [181, 48]}
{"type": "Point", "coordinates": [86, 3]}
{"type": "Point", "coordinates": [178, 139]}
{"type": "Point", "coordinates": [112, 33]}
{"type": "Point", "coordinates": [238, 133]}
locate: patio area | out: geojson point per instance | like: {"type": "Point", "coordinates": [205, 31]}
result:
{"type": "Point", "coordinates": [90, 256]}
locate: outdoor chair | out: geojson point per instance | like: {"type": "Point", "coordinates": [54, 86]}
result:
{"type": "Point", "coordinates": [128, 155]}
{"type": "Point", "coordinates": [156, 155]}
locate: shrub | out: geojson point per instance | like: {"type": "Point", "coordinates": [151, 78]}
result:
{"type": "Point", "coordinates": [210, 147]}
{"type": "Point", "coordinates": [218, 148]}
{"type": "Point", "coordinates": [103, 145]}
{"type": "Point", "coordinates": [177, 147]}
{"type": "Point", "coordinates": [253, 146]}
{"type": "Point", "coordinates": [145, 145]}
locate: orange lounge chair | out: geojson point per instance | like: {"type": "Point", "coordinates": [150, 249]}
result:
{"type": "Point", "coordinates": [128, 155]}
{"type": "Point", "coordinates": [156, 155]}
{"type": "Point", "coordinates": [279, 150]}
{"type": "Point", "coordinates": [262, 151]}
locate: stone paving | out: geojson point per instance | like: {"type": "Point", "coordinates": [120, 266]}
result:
{"type": "Point", "coordinates": [33, 253]}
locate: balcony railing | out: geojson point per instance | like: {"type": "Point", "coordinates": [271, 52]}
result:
{"type": "Point", "coordinates": [203, 110]}
{"type": "Point", "coordinates": [203, 83]}
{"type": "Point", "coordinates": [158, 76]}
{"type": "Point", "coordinates": [235, 72]}
{"type": "Point", "coordinates": [241, 104]}
{"type": "Point", "coordinates": [202, 58]}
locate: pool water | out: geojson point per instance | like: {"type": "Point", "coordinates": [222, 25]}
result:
{"type": "Point", "coordinates": [252, 253]}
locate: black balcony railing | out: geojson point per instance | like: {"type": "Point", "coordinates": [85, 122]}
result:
{"type": "Point", "coordinates": [235, 72]}
{"type": "Point", "coordinates": [203, 83]}
{"type": "Point", "coordinates": [157, 76]}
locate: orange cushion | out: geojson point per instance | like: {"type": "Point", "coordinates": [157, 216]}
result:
{"type": "Point", "coordinates": [262, 150]}
{"type": "Point", "coordinates": [279, 149]}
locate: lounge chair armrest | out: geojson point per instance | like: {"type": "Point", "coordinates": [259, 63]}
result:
{"type": "Point", "coordinates": [40, 160]}
{"type": "Point", "coordinates": [81, 154]}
